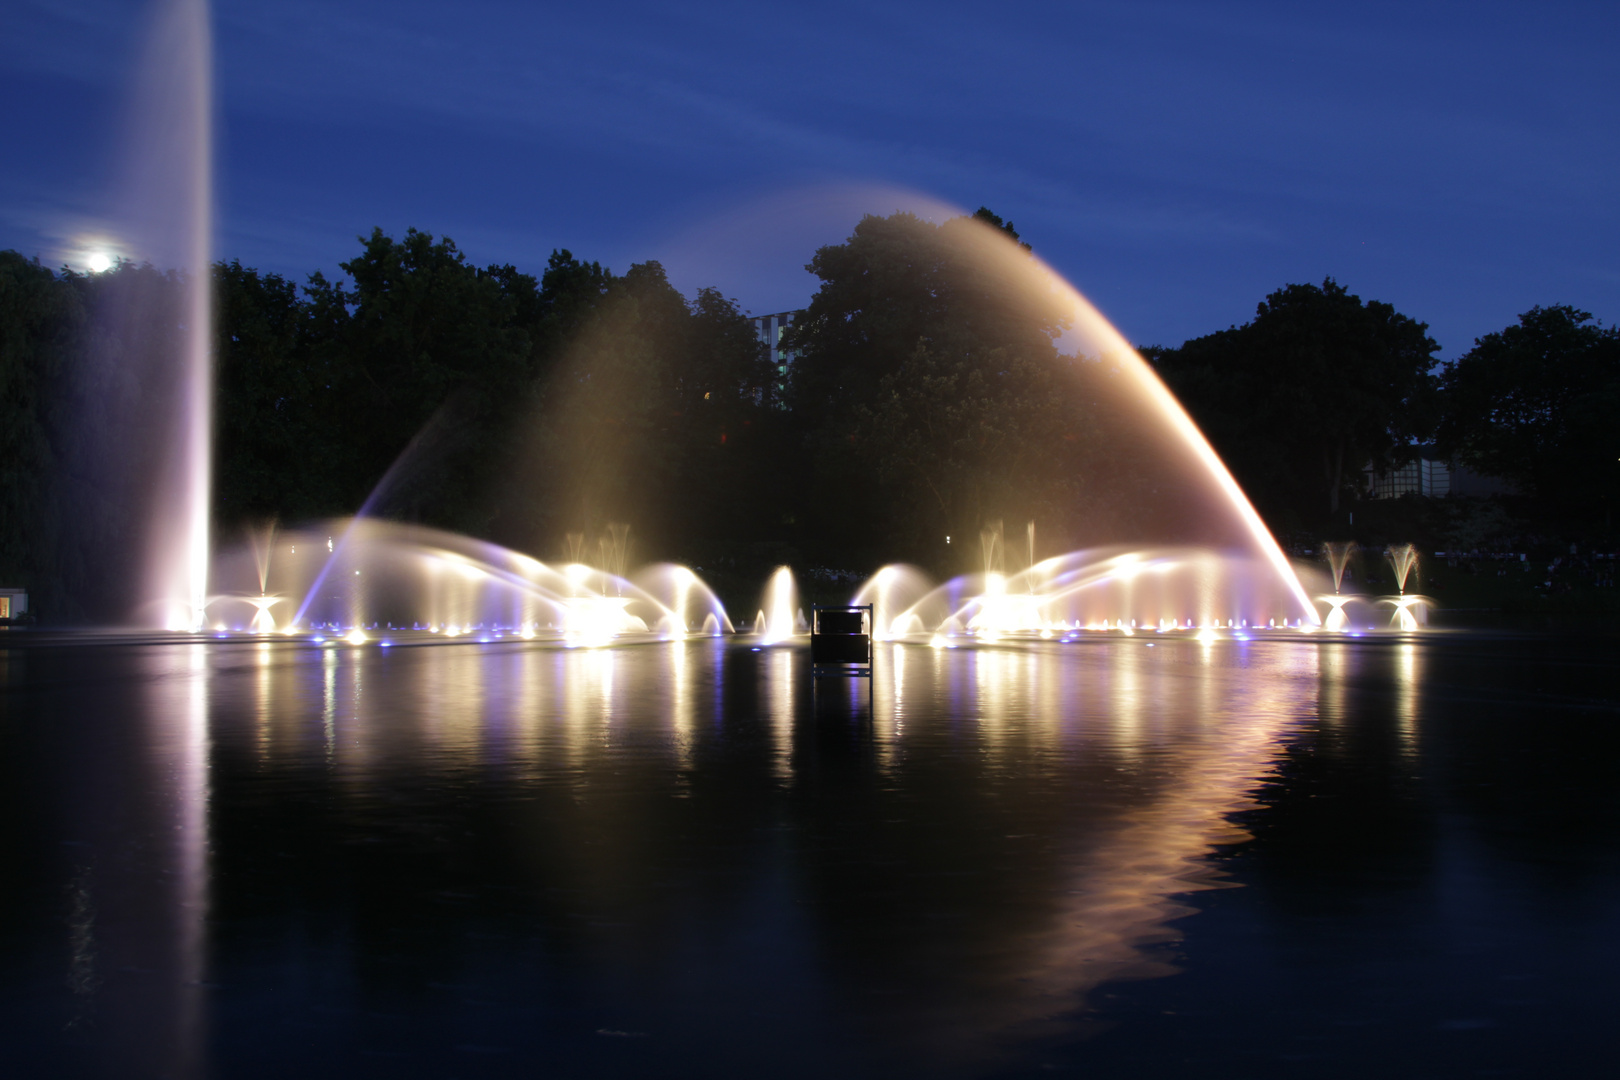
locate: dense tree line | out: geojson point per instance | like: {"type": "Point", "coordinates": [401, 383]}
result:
{"type": "Point", "coordinates": [75, 471]}
{"type": "Point", "coordinates": [1538, 403]}
{"type": "Point", "coordinates": [933, 401]}
{"type": "Point", "coordinates": [1302, 398]}
{"type": "Point", "coordinates": [930, 399]}
{"type": "Point", "coordinates": [1320, 387]}
{"type": "Point", "coordinates": [418, 386]}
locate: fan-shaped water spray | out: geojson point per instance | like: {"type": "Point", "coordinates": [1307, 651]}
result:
{"type": "Point", "coordinates": [1409, 610]}
{"type": "Point", "coordinates": [390, 576]}
{"type": "Point", "coordinates": [1121, 590]}
{"type": "Point", "coordinates": [1402, 558]}
{"type": "Point", "coordinates": [1338, 557]}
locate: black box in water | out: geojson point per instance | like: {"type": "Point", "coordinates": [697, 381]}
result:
{"type": "Point", "coordinates": [840, 621]}
{"type": "Point", "coordinates": [841, 640]}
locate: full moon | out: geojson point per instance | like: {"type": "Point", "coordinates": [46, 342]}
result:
{"type": "Point", "coordinates": [98, 263]}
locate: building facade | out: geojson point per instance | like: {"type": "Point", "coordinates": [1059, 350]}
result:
{"type": "Point", "coordinates": [13, 603]}
{"type": "Point", "coordinates": [769, 330]}
{"type": "Point", "coordinates": [1429, 476]}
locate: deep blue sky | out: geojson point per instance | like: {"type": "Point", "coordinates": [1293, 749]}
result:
{"type": "Point", "coordinates": [1176, 161]}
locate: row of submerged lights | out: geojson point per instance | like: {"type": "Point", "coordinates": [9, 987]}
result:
{"type": "Point", "coordinates": [597, 620]}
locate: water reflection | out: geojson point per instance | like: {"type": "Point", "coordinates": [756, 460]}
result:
{"type": "Point", "coordinates": [1407, 674]}
{"type": "Point", "coordinates": [139, 903]}
{"type": "Point", "coordinates": [778, 691]}
{"type": "Point", "coordinates": [678, 839]}
{"type": "Point", "coordinates": [191, 769]}
{"type": "Point", "coordinates": [329, 665]}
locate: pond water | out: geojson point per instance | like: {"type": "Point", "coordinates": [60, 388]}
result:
{"type": "Point", "coordinates": [1291, 857]}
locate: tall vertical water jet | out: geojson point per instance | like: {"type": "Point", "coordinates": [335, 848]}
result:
{"type": "Point", "coordinates": [776, 619]}
{"type": "Point", "coordinates": [168, 220]}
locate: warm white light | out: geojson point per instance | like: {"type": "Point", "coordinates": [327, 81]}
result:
{"type": "Point", "coordinates": [594, 621]}
{"type": "Point", "coordinates": [356, 637]}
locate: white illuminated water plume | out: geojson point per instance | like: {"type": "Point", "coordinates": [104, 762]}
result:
{"type": "Point", "coordinates": [1338, 556]}
{"type": "Point", "coordinates": [1409, 611]}
{"type": "Point", "coordinates": [778, 617]}
{"type": "Point", "coordinates": [1336, 619]}
{"type": "Point", "coordinates": [1099, 589]}
{"type": "Point", "coordinates": [1222, 573]}
{"type": "Point", "coordinates": [170, 221]}
{"type": "Point", "coordinates": [387, 576]}
{"type": "Point", "coordinates": [1402, 558]}
{"type": "Point", "coordinates": [1229, 523]}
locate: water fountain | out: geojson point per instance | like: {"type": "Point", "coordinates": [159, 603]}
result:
{"type": "Point", "coordinates": [372, 584]}
{"type": "Point", "coordinates": [391, 581]}
{"type": "Point", "coordinates": [775, 621]}
{"type": "Point", "coordinates": [1338, 556]}
{"type": "Point", "coordinates": [1409, 610]}
{"type": "Point", "coordinates": [1116, 590]}
{"type": "Point", "coordinates": [168, 218]}
{"type": "Point", "coordinates": [1230, 575]}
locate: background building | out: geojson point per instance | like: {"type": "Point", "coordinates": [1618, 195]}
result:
{"type": "Point", "coordinates": [13, 603]}
{"type": "Point", "coordinates": [1429, 476]}
{"type": "Point", "coordinates": [769, 328]}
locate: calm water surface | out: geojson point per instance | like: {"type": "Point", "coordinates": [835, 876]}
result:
{"type": "Point", "coordinates": [1301, 857]}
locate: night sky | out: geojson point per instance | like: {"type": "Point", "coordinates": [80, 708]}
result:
{"type": "Point", "coordinates": [1175, 161]}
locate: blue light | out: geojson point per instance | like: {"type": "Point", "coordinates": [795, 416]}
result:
{"type": "Point", "coordinates": [385, 644]}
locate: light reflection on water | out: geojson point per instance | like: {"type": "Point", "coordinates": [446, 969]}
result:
{"type": "Point", "coordinates": [677, 840]}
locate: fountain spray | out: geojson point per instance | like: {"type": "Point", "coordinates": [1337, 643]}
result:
{"type": "Point", "coordinates": [170, 218]}
{"type": "Point", "coordinates": [1402, 558]}
{"type": "Point", "coordinates": [1338, 556]}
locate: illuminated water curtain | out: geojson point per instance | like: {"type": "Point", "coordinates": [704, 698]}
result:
{"type": "Point", "coordinates": [367, 581]}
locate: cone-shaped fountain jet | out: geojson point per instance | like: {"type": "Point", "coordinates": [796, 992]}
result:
{"type": "Point", "coordinates": [1402, 558]}
{"type": "Point", "coordinates": [1338, 556]}
{"type": "Point", "coordinates": [777, 620]}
